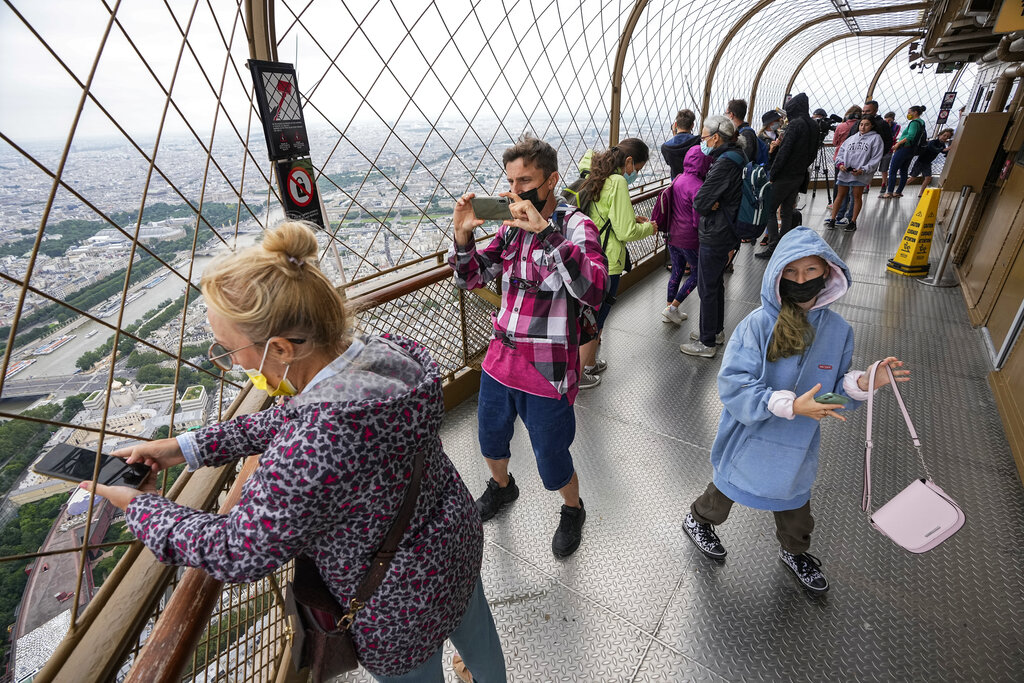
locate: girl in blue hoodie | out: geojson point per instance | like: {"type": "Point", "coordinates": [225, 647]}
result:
{"type": "Point", "coordinates": [780, 357]}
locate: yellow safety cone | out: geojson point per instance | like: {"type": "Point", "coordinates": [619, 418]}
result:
{"type": "Point", "coordinates": [912, 257]}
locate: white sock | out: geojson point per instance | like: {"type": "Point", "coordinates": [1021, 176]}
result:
{"type": "Point", "coordinates": [589, 369]}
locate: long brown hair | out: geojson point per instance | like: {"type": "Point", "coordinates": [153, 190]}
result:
{"type": "Point", "coordinates": [793, 333]}
{"type": "Point", "coordinates": [604, 164]}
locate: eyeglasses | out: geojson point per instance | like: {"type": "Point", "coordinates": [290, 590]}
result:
{"type": "Point", "coordinates": [520, 283]}
{"type": "Point", "coordinates": [221, 357]}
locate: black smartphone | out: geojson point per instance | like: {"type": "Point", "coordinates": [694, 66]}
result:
{"type": "Point", "coordinates": [76, 464]}
{"type": "Point", "coordinates": [492, 208]}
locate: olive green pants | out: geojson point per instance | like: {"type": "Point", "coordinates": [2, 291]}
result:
{"type": "Point", "coordinates": [792, 527]}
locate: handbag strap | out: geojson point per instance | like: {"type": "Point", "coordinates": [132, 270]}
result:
{"type": "Point", "coordinates": [314, 592]}
{"type": "Point", "coordinates": [865, 503]}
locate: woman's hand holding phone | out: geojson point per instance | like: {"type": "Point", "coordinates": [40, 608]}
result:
{"type": "Point", "coordinates": [157, 455]}
{"type": "Point", "coordinates": [806, 405]}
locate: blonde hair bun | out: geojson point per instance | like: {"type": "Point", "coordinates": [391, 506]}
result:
{"type": "Point", "coordinates": [294, 240]}
{"type": "Point", "coordinates": [276, 289]}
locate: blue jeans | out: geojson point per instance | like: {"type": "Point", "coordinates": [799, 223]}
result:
{"type": "Point", "coordinates": [711, 287]}
{"type": "Point", "coordinates": [900, 164]}
{"type": "Point", "coordinates": [680, 258]}
{"type": "Point", "coordinates": [550, 423]}
{"type": "Point", "coordinates": [477, 641]}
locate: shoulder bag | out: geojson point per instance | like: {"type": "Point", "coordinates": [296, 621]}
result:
{"type": "Point", "coordinates": [319, 627]}
{"type": "Point", "coordinates": [922, 515]}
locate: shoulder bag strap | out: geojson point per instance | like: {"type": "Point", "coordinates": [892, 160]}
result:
{"type": "Point", "coordinates": [382, 560]}
{"type": "Point", "coordinates": [315, 592]}
{"type": "Point", "coordinates": [865, 503]}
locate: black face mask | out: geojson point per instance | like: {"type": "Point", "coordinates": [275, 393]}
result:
{"type": "Point", "coordinates": [532, 197]}
{"type": "Point", "coordinates": [801, 292]}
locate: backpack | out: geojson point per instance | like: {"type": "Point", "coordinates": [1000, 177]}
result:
{"type": "Point", "coordinates": [761, 157]}
{"type": "Point", "coordinates": [756, 195]}
{"type": "Point", "coordinates": [571, 192]}
{"type": "Point", "coordinates": [754, 201]}
{"type": "Point", "coordinates": [585, 315]}
{"type": "Point", "coordinates": [662, 211]}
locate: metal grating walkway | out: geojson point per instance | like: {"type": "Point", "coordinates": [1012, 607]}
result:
{"type": "Point", "coordinates": [638, 603]}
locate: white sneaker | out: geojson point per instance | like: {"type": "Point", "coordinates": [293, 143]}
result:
{"type": "Point", "coordinates": [719, 338]}
{"type": "Point", "coordinates": [669, 316]}
{"type": "Point", "coordinates": [843, 221]}
{"type": "Point", "coordinates": [698, 349]}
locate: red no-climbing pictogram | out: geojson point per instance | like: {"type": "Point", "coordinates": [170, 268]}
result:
{"type": "Point", "coordinates": [300, 186]}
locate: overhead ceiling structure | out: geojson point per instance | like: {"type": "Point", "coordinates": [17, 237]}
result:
{"type": "Point", "coordinates": [134, 128]}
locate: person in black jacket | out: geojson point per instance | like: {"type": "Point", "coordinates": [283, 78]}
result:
{"type": "Point", "coordinates": [789, 170]}
{"type": "Point", "coordinates": [718, 203]}
{"type": "Point", "coordinates": [675, 148]}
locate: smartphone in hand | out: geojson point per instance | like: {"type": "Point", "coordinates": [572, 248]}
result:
{"type": "Point", "coordinates": [492, 208]}
{"type": "Point", "coordinates": [831, 399]}
{"type": "Point", "coordinates": [76, 464]}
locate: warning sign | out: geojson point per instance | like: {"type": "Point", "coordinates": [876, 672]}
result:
{"type": "Point", "coordinates": [912, 256]}
{"type": "Point", "coordinates": [298, 190]}
{"type": "Point", "coordinates": [277, 93]}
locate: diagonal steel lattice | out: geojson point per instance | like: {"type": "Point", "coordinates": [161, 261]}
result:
{"type": "Point", "coordinates": [409, 105]}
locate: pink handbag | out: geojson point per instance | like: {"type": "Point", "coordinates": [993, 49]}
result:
{"type": "Point", "coordinates": [922, 515]}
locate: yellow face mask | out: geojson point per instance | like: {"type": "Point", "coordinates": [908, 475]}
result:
{"type": "Point", "coordinates": [259, 380]}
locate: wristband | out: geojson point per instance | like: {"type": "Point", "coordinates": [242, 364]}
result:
{"type": "Point", "coordinates": [543, 234]}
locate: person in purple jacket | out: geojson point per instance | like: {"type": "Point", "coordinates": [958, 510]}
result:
{"type": "Point", "coordinates": [337, 454]}
{"type": "Point", "coordinates": [682, 232]}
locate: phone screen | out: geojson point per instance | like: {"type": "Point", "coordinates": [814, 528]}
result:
{"type": "Point", "coordinates": [76, 464]}
{"type": "Point", "coordinates": [491, 208]}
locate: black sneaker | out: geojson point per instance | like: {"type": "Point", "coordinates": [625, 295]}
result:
{"type": "Point", "coordinates": [830, 224]}
{"type": "Point", "coordinates": [807, 568]}
{"type": "Point", "coordinates": [767, 253]}
{"type": "Point", "coordinates": [704, 537]}
{"type": "Point", "coordinates": [496, 497]}
{"type": "Point", "coordinates": [570, 531]}
{"type": "Point", "coordinates": [851, 226]}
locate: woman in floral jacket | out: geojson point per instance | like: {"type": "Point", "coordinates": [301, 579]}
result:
{"type": "Point", "coordinates": [336, 459]}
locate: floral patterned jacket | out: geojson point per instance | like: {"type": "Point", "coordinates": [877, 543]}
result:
{"type": "Point", "coordinates": [334, 468]}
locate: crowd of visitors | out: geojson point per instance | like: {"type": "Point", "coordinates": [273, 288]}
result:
{"type": "Point", "coordinates": [357, 420]}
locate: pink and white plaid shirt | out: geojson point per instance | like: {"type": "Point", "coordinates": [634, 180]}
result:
{"type": "Point", "coordinates": [531, 350]}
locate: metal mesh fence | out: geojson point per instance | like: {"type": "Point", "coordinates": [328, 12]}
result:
{"type": "Point", "coordinates": [133, 154]}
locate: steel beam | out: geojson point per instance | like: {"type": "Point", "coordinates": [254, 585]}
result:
{"type": "Point", "coordinates": [820, 20]}
{"type": "Point", "coordinates": [881, 67]}
{"type": "Point", "coordinates": [891, 31]}
{"type": "Point", "coordinates": [713, 68]}
{"type": "Point", "coordinates": [620, 61]}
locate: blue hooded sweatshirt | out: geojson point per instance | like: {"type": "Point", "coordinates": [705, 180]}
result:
{"type": "Point", "coordinates": [761, 460]}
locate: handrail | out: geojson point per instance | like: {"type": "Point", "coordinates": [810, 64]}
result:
{"type": "Point", "coordinates": [102, 639]}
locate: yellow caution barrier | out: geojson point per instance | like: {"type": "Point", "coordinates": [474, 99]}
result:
{"type": "Point", "coordinates": [912, 257]}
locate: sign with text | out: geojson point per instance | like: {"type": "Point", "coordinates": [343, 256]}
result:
{"type": "Point", "coordinates": [299, 198]}
{"type": "Point", "coordinates": [277, 94]}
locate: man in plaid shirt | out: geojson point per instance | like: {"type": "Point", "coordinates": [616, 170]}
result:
{"type": "Point", "coordinates": [544, 255]}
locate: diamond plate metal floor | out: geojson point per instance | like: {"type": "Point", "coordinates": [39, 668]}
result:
{"type": "Point", "coordinates": [638, 603]}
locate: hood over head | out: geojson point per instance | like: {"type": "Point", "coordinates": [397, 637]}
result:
{"type": "Point", "coordinates": [796, 244]}
{"type": "Point", "coordinates": [697, 162]}
{"type": "Point", "coordinates": [798, 105]}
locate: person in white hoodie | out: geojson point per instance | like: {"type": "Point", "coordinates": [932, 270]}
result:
{"type": "Point", "coordinates": [855, 164]}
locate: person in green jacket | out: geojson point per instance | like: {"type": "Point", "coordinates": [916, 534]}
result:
{"type": "Point", "coordinates": [905, 149]}
{"type": "Point", "coordinates": [604, 197]}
